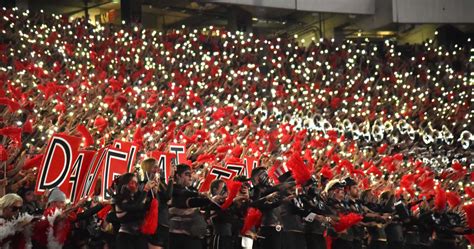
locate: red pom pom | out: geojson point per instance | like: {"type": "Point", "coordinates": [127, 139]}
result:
{"type": "Point", "coordinates": [457, 166]}
{"type": "Point", "coordinates": [141, 114]}
{"type": "Point", "coordinates": [252, 219]}
{"type": "Point", "coordinates": [469, 191]}
{"type": "Point", "coordinates": [223, 149]}
{"type": "Point", "coordinates": [206, 158]}
{"type": "Point", "coordinates": [382, 148]}
{"type": "Point", "coordinates": [440, 199]}
{"type": "Point", "coordinates": [151, 219]}
{"type": "Point", "coordinates": [104, 211]}
{"type": "Point", "coordinates": [374, 170]}
{"type": "Point", "coordinates": [100, 123]}
{"type": "Point", "coordinates": [33, 162]}
{"type": "Point", "coordinates": [347, 221]}
{"type": "Point", "coordinates": [233, 188]}
{"type": "Point", "coordinates": [13, 133]}
{"type": "Point", "coordinates": [427, 184]}
{"type": "Point", "coordinates": [237, 151]}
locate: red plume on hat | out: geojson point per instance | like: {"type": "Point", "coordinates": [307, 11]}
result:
{"type": "Point", "coordinates": [298, 169]}
{"type": "Point", "coordinates": [88, 139]}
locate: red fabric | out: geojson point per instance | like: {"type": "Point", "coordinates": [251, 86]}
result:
{"type": "Point", "coordinates": [328, 240]}
{"type": "Point", "coordinates": [14, 133]}
{"type": "Point", "coordinates": [88, 139]}
{"type": "Point", "coordinates": [13, 106]}
{"type": "Point", "coordinates": [27, 127]}
{"type": "Point", "coordinates": [33, 162]}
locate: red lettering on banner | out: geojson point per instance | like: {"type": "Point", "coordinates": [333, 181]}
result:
{"type": "Point", "coordinates": [214, 174]}
{"type": "Point", "coordinates": [57, 163]}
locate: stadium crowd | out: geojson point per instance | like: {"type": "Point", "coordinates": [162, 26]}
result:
{"type": "Point", "coordinates": [360, 144]}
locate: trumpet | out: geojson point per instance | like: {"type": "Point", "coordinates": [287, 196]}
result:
{"type": "Point", "coordinates": [411, 132]}
{"type": "Point", "coordinates": [402, 126]}
{"type": "Point", "coordinates": [347, 125]}
{"type": "Point", "coordinates": [326, 126]}
{"type": "Point", "coordinates": [366, 131]}
{"type": "Point", "coordinates": [428, 135]}
{"type": "Point", "coordinates": [355, 131]}
{"type": "Point", "coordinates": [466, 139]}
{"type": "Point", "coordinates": [447, 135]}
{"type": "Point", "coordinates": [438, 136]}
{"type": "Point", "coordinates": [378, 131]}
{"type": "Point", "coordinates": [388, 127]}
{"type": "Point", "coordinates": [317, 122]}
{"type": "Point", "coordinates": [340, 128]}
